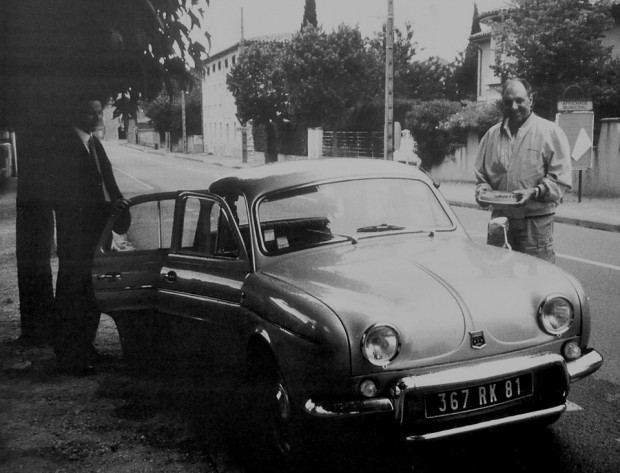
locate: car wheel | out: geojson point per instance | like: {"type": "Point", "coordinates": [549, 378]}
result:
{"type": "Point", "coordinates": [273, 441]}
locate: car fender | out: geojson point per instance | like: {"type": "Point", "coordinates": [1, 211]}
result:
{"type": "Point", "coordinates": [307, 339]}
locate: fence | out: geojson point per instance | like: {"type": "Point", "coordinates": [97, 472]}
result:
{"type": "Point", "coordinates": [352, 144]}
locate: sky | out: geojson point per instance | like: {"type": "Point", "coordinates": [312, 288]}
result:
{"type": "Point", "coordinates": [441, 27]}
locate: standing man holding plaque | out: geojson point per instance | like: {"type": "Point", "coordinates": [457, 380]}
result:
{"type": "Point", "coordinates": [528, 156]}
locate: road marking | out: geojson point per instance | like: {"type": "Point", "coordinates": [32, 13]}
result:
{"type": "Point", "coordinates": [571, 406]}
{"type": "Point", "coordinates": [613, 267]}
{"type": "Point", "coordinates": [587, 261]}
{"type": "Point", "coordinates": [148, 186]}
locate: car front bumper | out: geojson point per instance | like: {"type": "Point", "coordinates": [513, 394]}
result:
{"type": "Point", "coordinates": [453, 378]}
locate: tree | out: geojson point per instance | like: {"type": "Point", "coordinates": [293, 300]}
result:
{"type": "Point", "coordinates": [257, 81]}
{"type": "Point", "coordinates": [405, 50]}
{"type": "Point", "coordinates": [462, 84]}
{"type": "Point", "coordinates": [309, 15]}
{"type": "Point", "coordinates": [327, 74]}
{"type": "Point", "coordinates": [433, 140]}
{"type": "Point", "coordinates": [53, 49]}
{"type": "Point", "coordinates": [166, 113]}
{"type": "Point", "coordinates": [553, 44]}
{"type": "Point", "coordinates": [430, 79]}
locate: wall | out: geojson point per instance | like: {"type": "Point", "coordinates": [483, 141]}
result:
{"type": "Point", "coordinates": [488, 83]}
{"type": "Point", "coordinates": [604, 177]}
{"type": "Point", "coordinates": [221, 129]}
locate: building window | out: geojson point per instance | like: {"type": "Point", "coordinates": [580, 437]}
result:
{"type": "Point", "coordinates": [234, 60]}
{"type": "Point", "coordinates": [226, 63]}
{"type": "Point", "coordinates": [219, 65]}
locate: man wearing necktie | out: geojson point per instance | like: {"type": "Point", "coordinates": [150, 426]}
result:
{"type": "Point", "coordinates": [85, 195]}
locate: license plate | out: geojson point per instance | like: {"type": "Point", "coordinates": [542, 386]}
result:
{"type": "Point", "coordinates": [478, 397]}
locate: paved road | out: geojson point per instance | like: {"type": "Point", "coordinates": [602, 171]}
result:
{"type": "Point", "coordinates": [586, 439]}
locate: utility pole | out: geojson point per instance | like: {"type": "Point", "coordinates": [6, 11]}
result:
{"type": "Point", "coordinates": [388, 133]}
{"type": "Point", "coordinates": [244, 126]}
{"type": "Point", "coordinates": [183, 121]}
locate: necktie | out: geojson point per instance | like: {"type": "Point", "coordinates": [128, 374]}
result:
{"type": "Point", "coordinates": [93, 154]}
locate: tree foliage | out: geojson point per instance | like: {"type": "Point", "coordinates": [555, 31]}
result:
{"type": "Point", "coordinates": [463, 80]}
{"type": "Point", "coordinates": [166, 113]}
{"type": "Point", "coordinates": [405, 49]}
{"type": "Point", "coordinates": [52, 51]}
{"type": "Point", "coordinates": [309, 15]}
{"type": "Point", "coordinates": [336, 80]}
{"type": "Point", "coordinates": [257, 81]}
{"type": "Point", "coordinates": [327, 74]}
{"type": "Point", "coordinates": [473, 116]}
{"type": "Point", "coordinates": [433, 140]}
{"type": "Point", "coordinates": [553, 44]}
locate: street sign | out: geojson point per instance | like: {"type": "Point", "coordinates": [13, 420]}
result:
{"type": "Point", "coordinates": [575, 105]}
{"type": "Point", "coordinates": [579, 129]}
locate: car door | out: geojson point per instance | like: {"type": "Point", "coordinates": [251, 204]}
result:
{"type": "Point", "coordinates": [201, 280]}
{"type": "Point", "coordinates": [127, 263]}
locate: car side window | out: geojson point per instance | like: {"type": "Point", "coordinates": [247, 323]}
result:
{"type": "Point", "coordinates": [207, 230]}
{"type": "Point", "coordinates": [145, 226]}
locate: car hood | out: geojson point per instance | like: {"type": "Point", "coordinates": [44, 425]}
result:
{"type": "Point", "coordinates": [434, 290]}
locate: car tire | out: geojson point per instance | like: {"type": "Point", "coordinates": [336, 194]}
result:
{"type": "Point", "coordinates": [272, 439]}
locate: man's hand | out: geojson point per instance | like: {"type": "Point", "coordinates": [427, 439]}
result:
{"type": "Point", "coordinates": [120, 205]}
{"type": "Point", "coordinates": [480, 189]}
{"type": "Point", "coordinates": [523, 195]}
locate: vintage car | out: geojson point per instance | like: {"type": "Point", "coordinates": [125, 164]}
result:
{"type": "Point", "coordinates": [342, 288]}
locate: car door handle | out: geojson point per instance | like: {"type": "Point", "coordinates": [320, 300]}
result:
{"type": "Point", "coordinates": [109, 277]}
{"type": "Point", "coordinates": [171, 276]}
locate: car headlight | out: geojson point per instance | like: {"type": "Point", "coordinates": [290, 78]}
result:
{"type": "Point", "coordinates": [380, 344]}
{"type": "Point", "coordinates": [556, 315]}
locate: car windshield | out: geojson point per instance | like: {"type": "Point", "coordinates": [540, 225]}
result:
{"type": "Point", "coordinates": [349, 210]}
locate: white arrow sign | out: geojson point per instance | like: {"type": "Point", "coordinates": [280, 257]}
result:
{"type": "Point", "coordinates": [582, 145]}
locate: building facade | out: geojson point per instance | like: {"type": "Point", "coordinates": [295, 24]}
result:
{"type": "Point", "coordinates": [221, 128]}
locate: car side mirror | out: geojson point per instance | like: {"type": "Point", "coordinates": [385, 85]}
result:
{"type": "Point", "coordinates": [500, 224]}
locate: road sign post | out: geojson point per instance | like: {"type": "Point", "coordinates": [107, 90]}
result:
{"type": "Point", "coordinates": [576, 119]}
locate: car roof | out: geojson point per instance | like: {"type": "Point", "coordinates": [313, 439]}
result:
{"type": "Point", "coordinates": [258, 180]}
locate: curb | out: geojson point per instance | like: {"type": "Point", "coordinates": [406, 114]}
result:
{"type": "Point", "coordinates": [187, 157]}
{"type": "Point", "coordinates": [578, 222]}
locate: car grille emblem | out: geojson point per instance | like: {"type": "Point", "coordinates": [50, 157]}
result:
{"type": "Point", "coordinates": [477, 339]}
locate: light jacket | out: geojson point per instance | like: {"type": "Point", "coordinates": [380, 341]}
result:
{"type": "Point", "coordinates": [539, 154]}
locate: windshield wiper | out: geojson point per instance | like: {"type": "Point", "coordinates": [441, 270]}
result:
{"type": "Point", "coordinates": [348, 237]}
{"type": "Point", "coordinates": [384, 227]}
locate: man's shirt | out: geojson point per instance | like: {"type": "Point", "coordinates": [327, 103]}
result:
{"type": "Point", "coordinates": [538, 154]}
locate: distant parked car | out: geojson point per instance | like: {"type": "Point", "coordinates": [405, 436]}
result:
{"type": "Point", "coordinates": [342, 288]}
{"type": "Point", "coordinates": [6, 156]}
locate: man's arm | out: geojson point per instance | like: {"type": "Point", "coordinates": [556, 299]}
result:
{"type": "Point", "coordinates": [558, 178]}
{"type": "Point", "coordinates": [107, 172]}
